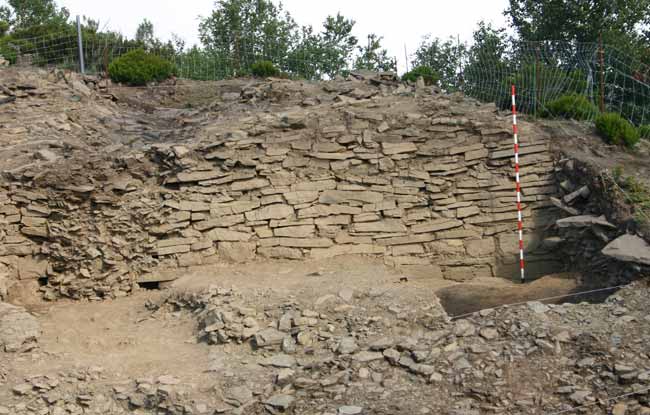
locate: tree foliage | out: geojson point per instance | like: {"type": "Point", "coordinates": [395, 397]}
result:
{"type": "Point", "coordinates": [145, 34]}
{"type": "Point", "coordinates": [373, 57]}
{"type": "Point", "coordinates": [577, 20]}
{"type": "Point", "coordinates": [246, 31]}
{"type": "Point", "coordinates": [564, 26]}
{"type": "Point", "coordinates": [323, 54]}
{"type": "Point", "coordinates": [21, 15]}
{"type": "Point", "coordinates": [444, 57]}
{"type": "Point", "coordinates": [490, 49]}
{"type": "Point", "coordinates": [241, 32]}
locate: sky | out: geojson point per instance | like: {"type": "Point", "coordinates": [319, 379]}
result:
{"type": "Point", "coordinates": [401, 23]}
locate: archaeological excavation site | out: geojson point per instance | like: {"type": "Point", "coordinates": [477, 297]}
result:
{"type": "Point", "coordinates": [268, 245]}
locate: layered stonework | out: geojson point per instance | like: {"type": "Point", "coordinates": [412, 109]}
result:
{"type": "Point", "coordinates": [419, 179]}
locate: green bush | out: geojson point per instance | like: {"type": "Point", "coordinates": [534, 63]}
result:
{"type": "Point", "coordinates": [264, 69]}
{"type": "Point", "coordinates": [138, 67]}
{"type": "Point", "coordinates": [616, 129]}
{"type": "Point", "coordinates": [573, 106]}
{"type": "Point", "coordinates": [426, 72]}
{"type": "Point", "coordinates": [9, 47]}
{"type": "Point", "coordinates": [644, 131]}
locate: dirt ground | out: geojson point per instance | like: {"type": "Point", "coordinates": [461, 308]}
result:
{"type": "Point", "coordinates": [128, 338]}
{"type": "Point", "coordinates": [580, 141]}
{"type": "Point", "coordinates": [124, 337]}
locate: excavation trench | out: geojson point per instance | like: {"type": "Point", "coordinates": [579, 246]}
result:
{"type": "Point", "coordinates": [416, 180]}
{"type": "Point", "coordinates": [463, 300]}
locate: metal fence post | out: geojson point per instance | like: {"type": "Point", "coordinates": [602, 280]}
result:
{"type": "Point", "coordinates": [601, 56]}
{"type": "Point", "coordinates": [538, 86]}
{"type": "Point", "coordinates": [82, 67]}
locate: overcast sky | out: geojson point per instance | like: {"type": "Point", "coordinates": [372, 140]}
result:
{"type": "Point", "coordinates": [399, 22]}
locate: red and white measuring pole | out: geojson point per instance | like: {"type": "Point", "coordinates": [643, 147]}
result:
{"type": "Point", "coordinates": [520, 223]}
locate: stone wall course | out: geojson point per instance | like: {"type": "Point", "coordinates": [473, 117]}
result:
{"type": "Point", "coordinates": [415, 183]}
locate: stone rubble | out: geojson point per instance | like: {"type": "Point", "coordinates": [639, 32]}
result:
{"type": "Point", "coordinates": [629, 248]}
{"type": "Point", "coordinates": [530, 359]}
{"type": "Point", "coordinates": [594, 237]}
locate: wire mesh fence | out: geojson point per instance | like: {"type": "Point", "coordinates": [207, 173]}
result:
{"type": "Point", "coordinates": [543, 71]}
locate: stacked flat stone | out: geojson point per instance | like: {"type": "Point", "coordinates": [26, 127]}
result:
{"type": "Point", "coordinates": [418, 178]}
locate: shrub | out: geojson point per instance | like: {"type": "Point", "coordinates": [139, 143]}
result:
{"type": "Point", "coordinates": [264, 69]}
{"type": "Point", "coordinates": [426, 72]}
{"type": "Point", "coordinates": [531, 81]}
{"type": "Point", "coordinates": [644, 131]}
{"type": "Point", "coordinates": [637, 194]}
{"type": "Point", "coordinates": [10, 47]}
{"type": "Point", "coordinates": [574, 106]}
{"type": "Point", "coordinates": [616, 129]}
{"type": "Point", "coordinates": [138, 67]}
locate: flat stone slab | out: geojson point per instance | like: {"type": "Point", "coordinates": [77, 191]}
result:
{"type": "Point", "coordinates": [629, 248]}
{"type": "Point", "coordinates": [157, 277]}
{"type": "Point", "coordinates": [583, 221]}
{"type": "Point", "coordinates": [17, 328]}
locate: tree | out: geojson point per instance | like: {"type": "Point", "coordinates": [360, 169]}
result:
{"type": "Point", "coordinates": [144, 35]}
{"type": "Point", "coordinates": [445, 58]}
{"type": "Point", "coordinates": [244, 31]}
{"type": "Point", "coordinates": [338, 43]}
{"type": "Point", "coordinates": [324, 54]}
{"type": "Point", "coordinates": [620, 25]}
{"type": "Point", "coordinates": [487, 62]}
{"type": "Point", "coordinates": [4, 27]}
{"type": "Point", "coordinates": [373, 57]}
{"type": "Point", "coordinates": [5, 20]}
{"type": "Point", "coordinates": [178, 42]}
{"type": "Point", "coordinates": [25, 14]}
{"type": "Point", "coordinates": [577, 20]}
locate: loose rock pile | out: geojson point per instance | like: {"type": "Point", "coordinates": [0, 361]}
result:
{"type": "Point", "coordinates": [363, 353]}
{"type": "Point", "coordinates": [599, 236]}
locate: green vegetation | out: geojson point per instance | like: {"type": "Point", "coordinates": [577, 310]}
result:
{"type": "Point", "coordinates": [237, 34]}
{"type": "Point", "coordinates": [636, 194]}
{"type": "Point", "coordinates": [644, 131]}
{"type": "Point", "coordinates": [426, 72]}
{"type": "Point", "coordinates": [373, 57]}
{"type": "Point", "coordinates": [264, 69]}
{"type": "Point", "coordinates": [445, 58]}
{"type": "Point", "coordinates": [138, 67]}
{"type": "Point", "coordinates": [574, 106]}
{"type": "Point", "coordinates": [617, 130]}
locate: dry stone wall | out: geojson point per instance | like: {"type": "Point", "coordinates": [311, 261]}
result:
{"type": "Point", "coordinates": [419, 179]}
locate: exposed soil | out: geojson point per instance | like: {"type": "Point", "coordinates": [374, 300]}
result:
{"type": "Point", "coordinates": [460, 300]}
{"type": "Point", "coordinates": [581, 142]}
